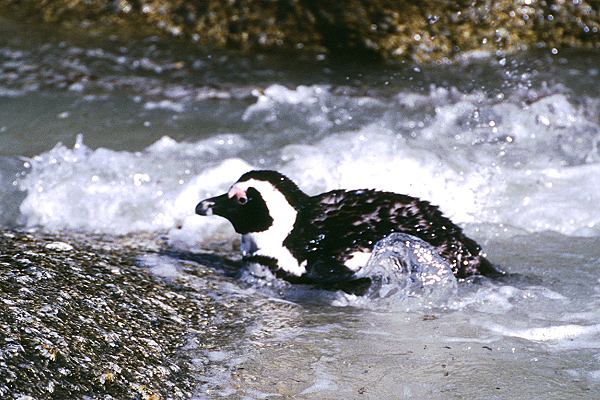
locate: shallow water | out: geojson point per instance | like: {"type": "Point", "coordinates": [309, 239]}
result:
{"type": "Point", "coordinates": [120, 138]}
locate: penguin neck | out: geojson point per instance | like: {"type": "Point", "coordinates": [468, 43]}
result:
{"type": "Point", "coordinates": [270, 242]}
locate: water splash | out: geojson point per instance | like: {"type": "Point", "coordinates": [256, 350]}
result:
{"type": "Point", "coordinates": [403, 266]}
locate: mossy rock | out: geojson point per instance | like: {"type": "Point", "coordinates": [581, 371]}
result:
{"type": "Point", "coordinates": [423, 31]}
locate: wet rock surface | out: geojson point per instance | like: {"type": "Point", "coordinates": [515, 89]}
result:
{"type": "Point", "coordinates": [390, 29]}
{"type": "Point", "coordinates": [79, 318]}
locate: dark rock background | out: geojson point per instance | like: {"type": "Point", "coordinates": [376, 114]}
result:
{"type": "Point", "coordinates": [423, 31]}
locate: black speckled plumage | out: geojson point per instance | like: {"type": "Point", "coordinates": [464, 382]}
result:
{"type": "Point", "coordinates": [333, 225]}
{"type": "Point", "coordinates": [330, 227]}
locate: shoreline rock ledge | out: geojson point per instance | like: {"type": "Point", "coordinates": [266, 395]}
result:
{"type": "Point", "coordinates": [79, 319]}
{"type": "Point", "coordinates": [421, 31]}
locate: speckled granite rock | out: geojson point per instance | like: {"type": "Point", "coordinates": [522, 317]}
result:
{"type": "Point", "coordinates": [423, 31]}
{"type": "Point", "coordinates": [79, 318]}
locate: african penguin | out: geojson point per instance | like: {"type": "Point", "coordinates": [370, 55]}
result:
{"type": "Point", "coordinates": [327, 238]}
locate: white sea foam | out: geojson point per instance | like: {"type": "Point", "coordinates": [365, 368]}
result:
{"type": "Point", "coordinates": [376, 158]}
{"type": "Point", "coordinates": [119, 192]}
{"type": "Point", "coordinates": [549, 333]}
{"type": "Point", "coordinates": [165, 105]}
{"type": "Point", "coordinates": [480, 159]}
{"type": "Point", "coordinates": [315, 108]}
{"type": "Point", "coordinates": [533, 313]}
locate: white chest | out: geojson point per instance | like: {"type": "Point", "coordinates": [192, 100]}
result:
{"type": "Point", "coordinates": [265, 244]}
{"type": "Point", "coordinates": [357, 260]}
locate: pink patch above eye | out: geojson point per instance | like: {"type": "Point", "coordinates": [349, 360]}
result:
{"type": "Point", "coordinates": [237, 193]}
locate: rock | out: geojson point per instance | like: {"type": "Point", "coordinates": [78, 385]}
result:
{"type": "Point", "coordinates": [79, 318]}
{"type": "Point", "coordinates": [428, 31]}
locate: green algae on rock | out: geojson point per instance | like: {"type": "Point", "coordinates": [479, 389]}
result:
{"type": "Point", "coordinates": [428, 31]}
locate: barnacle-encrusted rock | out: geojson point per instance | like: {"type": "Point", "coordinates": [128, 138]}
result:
{"type": "Point", "coordinates": [423, 31]}
{"type": "Point", "coordinates": [79, 318]}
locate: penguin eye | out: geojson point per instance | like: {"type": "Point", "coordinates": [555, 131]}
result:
{"type": "Point", "coordinates": [242, 200]}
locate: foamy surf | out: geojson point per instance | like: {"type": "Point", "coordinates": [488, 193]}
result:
{"type": "Point", "coordinates": [157, 189]}
{"type": "Point", "coordinates": [476, 170]}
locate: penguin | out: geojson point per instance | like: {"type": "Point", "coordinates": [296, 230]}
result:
{"type": "Point", "coordinates": [328, 238]}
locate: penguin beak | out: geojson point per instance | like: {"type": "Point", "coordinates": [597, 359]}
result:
{"type": "Point", "coordinates": [214, 206]}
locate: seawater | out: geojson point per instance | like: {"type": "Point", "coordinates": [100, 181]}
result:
{"type": "Point", "coordinates": [123, 138]}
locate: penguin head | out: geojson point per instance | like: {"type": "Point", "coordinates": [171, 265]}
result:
{"type": "Point", "coordinates": [257, 202]}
